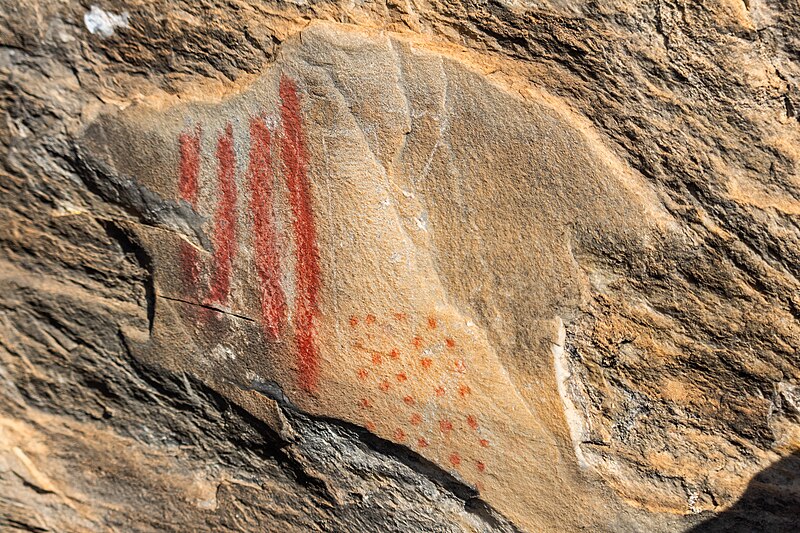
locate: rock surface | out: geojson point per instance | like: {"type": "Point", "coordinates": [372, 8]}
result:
{"type": "Point", "coordinates": [421, 266]}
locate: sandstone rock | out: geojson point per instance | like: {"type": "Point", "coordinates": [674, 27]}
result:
{"type": "Point", "coordinates": [455, 266]}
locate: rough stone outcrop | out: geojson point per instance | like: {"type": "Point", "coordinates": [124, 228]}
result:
{"type": "Point", "coordinates": [458, 266]}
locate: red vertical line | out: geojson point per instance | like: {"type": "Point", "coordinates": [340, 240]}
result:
{"type": "Point", "coordinates": [295, 168]}
{"type": "Point", "coordinates": [260, 182]}
{"type": "Point", "coordinates": [188, 178]}
{"type": "Point", "coordinates": [225, 220]}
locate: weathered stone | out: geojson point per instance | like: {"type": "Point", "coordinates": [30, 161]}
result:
{"type": "Point", "coordinates": [459, 266]}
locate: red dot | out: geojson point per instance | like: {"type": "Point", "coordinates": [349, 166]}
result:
{"type": "Point", "coordinates": [362, 373]}
{"type": "Point", "coordinates": [363, 403]}
{"type": "Point", "coordinates": [415, 419]}
{"type": "Point", "coordinates": [484, 443]}
{"type": "Point", "coordinates": [481, 466]}
{"type": "Point", "coordinates": [399, 434]}
{"type": "Point", "coordinates": [445, 426]}
{"type": "Point", "coordinates": [409, 400]}
{"type": "Point", "coordinates": [395, 353]}
{"type": "Point", "coordinates": [459, 366]}
{"type": "Point", "coordinates": [472, 421]}
{"type": "Point", "coordinates": [455, 459]}
{"type": "Point", "coordinates": [401, 377]}
{"type": "Point", "coordinates": [353, 321]}
{"type": "Point", "coordinates": [417, 342]}
{"type": "Point", "coordinates": [384, 386]}
{"type": "Point", "coordinates": [422, 442]}
{"type": "Point", "coordinates": [431, 322]}
{"type": "Point", "coordinates": [426, 363]}
{"type": "Point", "coordinates": [370, 319]}
{"type": "Point", "coordinates": [376, 358]}
{"type": "Point", "coordinates": [463, 390]}
{"type": "Point", "coordinates": [370, 426]}
{"type": "Point", "coordinates": [450, 342]}
{"type": "Point", "coordinates": [439, 391]}
{"type": "Point", "coordinates": [400, 316]}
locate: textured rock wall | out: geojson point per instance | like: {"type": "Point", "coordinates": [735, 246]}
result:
{"type": "Point", "coordinates": [461, 266]}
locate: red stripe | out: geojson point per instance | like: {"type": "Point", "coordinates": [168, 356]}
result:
{"type": "Point", "coordinates": [295, 168]}
{"type": "Point", "coordinates": [260, 182]}
{"type": "Point", "coordinates": [190, 267]}
{"type": "Point", "coordinates": [188, 178]}
{"type": "Point", "coordinates": [225, 219]}
{"type": "Point", "coordinates": [189, 165]}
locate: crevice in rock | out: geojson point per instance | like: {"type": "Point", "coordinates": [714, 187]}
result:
{"type": "Point", "coordinates": [130, 246]}
{"type": "Point", "coordinates": [207, 306]}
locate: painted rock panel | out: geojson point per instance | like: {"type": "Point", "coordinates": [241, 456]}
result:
{"type": "Point", "coordinates": [374, 231]}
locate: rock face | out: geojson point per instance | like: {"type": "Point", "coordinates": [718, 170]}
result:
{"type": "Point", "coordinates": [445, 267]}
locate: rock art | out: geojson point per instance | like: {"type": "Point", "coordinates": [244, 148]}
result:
{"type": "Point", "coordinates": [338, 246]}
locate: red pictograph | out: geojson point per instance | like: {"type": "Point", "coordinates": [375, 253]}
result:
{"type": "Point", "coordinates": [295, 168]}
{"type": "Point", "coordinates": [425, 383]}
{"type": "Point", "coordinates": [225, 220]}
{"type": "Point", "coordinates": [188, 179]}
{"type": "Point", "coordinates": [260, 182]}
{"type": "Point", "coordinates": [419, 368]}
{"type": "Point", "coordinates": [189, 166]}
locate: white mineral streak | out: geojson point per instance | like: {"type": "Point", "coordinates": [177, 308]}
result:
{"type": "Point", "coordinates": [104, 23]}
{"type": "Point", "coordinates": [563, 374]}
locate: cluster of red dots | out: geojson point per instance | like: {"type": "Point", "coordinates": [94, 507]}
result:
{"type": "Point", "coordinates": [392, 383]}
